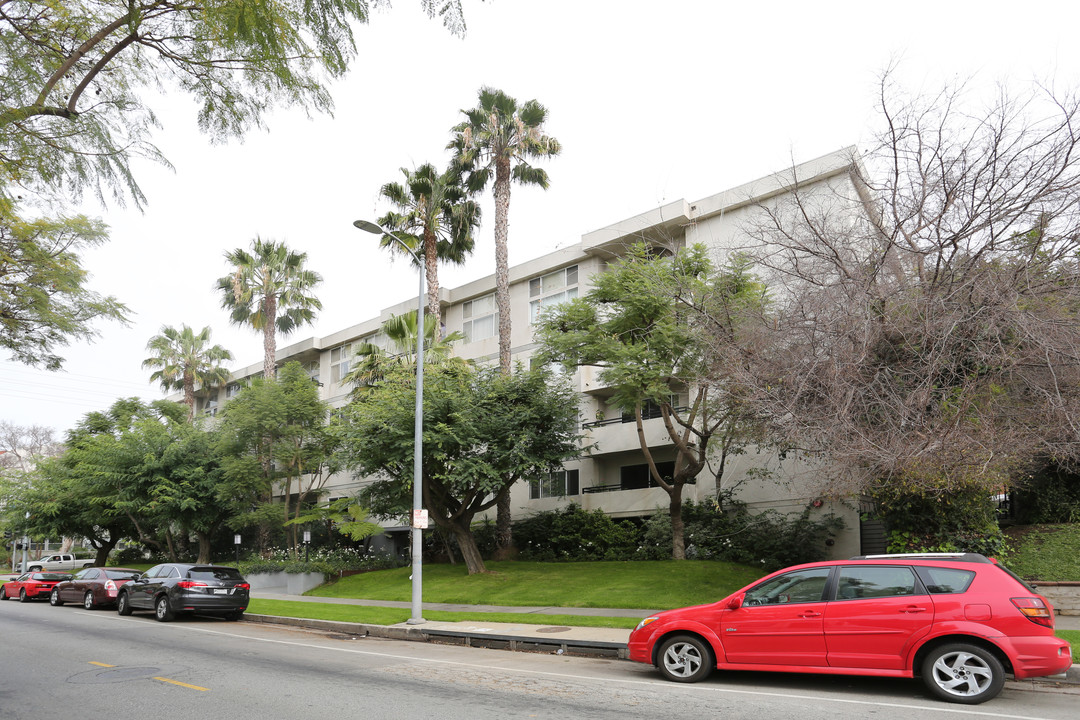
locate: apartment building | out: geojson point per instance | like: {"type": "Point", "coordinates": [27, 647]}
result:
{"type": "Point", "coordinates": [612, 475]}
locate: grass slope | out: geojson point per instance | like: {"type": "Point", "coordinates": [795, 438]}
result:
{"type": "Point", "coordinates": [657, 585]}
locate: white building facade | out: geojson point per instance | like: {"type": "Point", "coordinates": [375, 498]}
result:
{"type": "Point", "coordinates": [611, 475]}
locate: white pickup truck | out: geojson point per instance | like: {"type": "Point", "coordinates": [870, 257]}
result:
{"type": "Point", "coordinates": [56, 561]}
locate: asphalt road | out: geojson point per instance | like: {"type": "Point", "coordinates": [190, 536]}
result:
{"type": "Point", "coordinates": [69, 662]}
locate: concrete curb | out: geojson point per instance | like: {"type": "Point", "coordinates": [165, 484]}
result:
{"type": "Point", "coordinates": [418, 633]}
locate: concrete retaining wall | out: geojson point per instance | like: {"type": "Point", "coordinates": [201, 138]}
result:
{"type": "Point", "coordinates": [293, 583]}
{"type": "Point", "coordinates": [1064, 596]}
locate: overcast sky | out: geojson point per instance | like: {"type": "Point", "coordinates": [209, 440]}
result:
{"type": "Point", "coordinates": [652, 102]}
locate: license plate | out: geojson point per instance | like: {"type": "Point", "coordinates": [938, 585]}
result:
{"type": "Point", "coordinates": [221, 591]}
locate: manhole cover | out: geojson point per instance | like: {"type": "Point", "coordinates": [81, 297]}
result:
{"type": "Point", "coordinates": [556, 629]}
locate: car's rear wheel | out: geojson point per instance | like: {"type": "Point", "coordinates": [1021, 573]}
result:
{"type": "Point", "coordinates": [235, 615]}
{"type": "Point", "coordinates": [88, 600]}
{"type": "Point", "coordinates": [162, 610]}
{"type": "Point", "coordinates": [54, 598]}
{"type": "Point", "coordinates": [686, 658]}
{"type": "Point", "coordinates": [23, 597]}
{"type": "Point", "coordinates": [3, 593]}
{"type": "Point", "coordinates": [123, 605]}
{"type": "Point", "coordinates": [963, 673]}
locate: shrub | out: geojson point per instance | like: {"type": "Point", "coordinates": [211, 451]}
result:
{"type": "Point", "coordinates": [727, 530]}
{"type": "Point", "coordinates": [574, 534]}
{"type": "Point", "coordinates": [328, 561]}
{"type": "Point", "coordinates": [957, 516]}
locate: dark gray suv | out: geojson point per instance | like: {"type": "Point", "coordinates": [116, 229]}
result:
{"type": "Point", "coordinates": [173, 588]}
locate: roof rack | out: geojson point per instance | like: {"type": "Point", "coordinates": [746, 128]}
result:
{"type": "Point", "coordinates": [958, 556]}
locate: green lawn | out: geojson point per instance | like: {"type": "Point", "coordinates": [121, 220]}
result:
{"type": "Point", "coordinates": [393, 616]}
{"type": "Point", "coordinates": [1046, 552]}
{"type": "Point", "coordinates": [645, 585]}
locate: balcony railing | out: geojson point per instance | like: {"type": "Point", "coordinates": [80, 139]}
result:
{"type": "Point", "coordinates": [627, 419]}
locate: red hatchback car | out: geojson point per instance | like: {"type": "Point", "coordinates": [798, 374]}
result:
{"type": "Point", "coordinates": [960, 621]}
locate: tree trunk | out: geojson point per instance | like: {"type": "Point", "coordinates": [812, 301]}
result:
{"type": "Point", "coordinates": [102, 549]}
{"type": "Point", "coordinates": [503, 532]}
{"type": "Point", "coordinates": [431, 269]}
{"type": "Point", "coordinates": [678, 539]}
{"type": "Point", "coordinates": [469, 552]}
{"type": "Point", "coordinates": [270, 337]}
{"type": "Point", "coordinates": [204, 547]}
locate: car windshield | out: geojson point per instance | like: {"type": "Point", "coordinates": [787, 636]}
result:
{"type": "Point", "coordinates": [215, 573]}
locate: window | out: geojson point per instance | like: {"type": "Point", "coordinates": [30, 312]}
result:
{"type": "Point", "coordinates": [638, 477]}
{"type": "Point", "coordinates": [340, 357]}
{"type": "Point", "coordinates": [945, 580]}
{"type": "Point", "coordinates": [874, 582]}
{"type": "Point", "coordinates": [231, 390]}
{"type": "Point", "coordinates": [481, 318]}
{"type": "Point", "coordinates": [650, 410]}
{"type": "Point", "coordinates": [557, 484]}
{"type": "Point", "coordinates": [794, 587]}
{"type": "Point", "coordinates": [551, 290]}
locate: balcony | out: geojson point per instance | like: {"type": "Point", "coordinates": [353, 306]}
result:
{"type": "Point", "coordinates": [619, 434]}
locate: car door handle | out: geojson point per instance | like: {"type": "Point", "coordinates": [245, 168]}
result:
{"type": "Point", "coordinates": [913, 609]}
{"type": "Point", "coordinates": [810, 614]}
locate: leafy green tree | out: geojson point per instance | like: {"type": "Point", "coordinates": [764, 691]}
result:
{"type": "Point", "coordinates": [71, 97]}
{"type": "Point", "coordinates": [372, 362]}
{"type": "Point", "coordinates": [270, 290]}
{"type": "Point", "coordinates": [483, 431]}
{"type": "Point", "coordinates": [184, 359]}
{"type": "Point", "coordinates": [651, 324]}
{"type": "Point", "coordinates": [275, 435]}
{"type": "Point", "coordinates": [495, 145]}
{"type": "Point", "coordinates": [44, 301]}
{"type": "Point", "coordinates": [435, 218]}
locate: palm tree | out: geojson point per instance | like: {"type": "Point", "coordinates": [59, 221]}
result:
{"type": "Point", "coordinates": [435, 219]}
{"type": "Point", "coordinates": [270, 290]}
{"type": "Point", "coordinates": [372, 363]}
{"type": "Point", "coordinates": [498, 138]}
{"type": "Point", "coordinates": [185, 359]}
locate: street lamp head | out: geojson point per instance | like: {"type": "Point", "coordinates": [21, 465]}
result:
{"type": "Point", "coordinates": [368, 226]}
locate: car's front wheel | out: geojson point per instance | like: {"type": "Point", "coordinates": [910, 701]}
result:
{"type": "Point", "coordinates": [3, 593]}
{"type": "Point", "coordinates": [686, 658]}
{"type": "Point", "coordinates": [123, 605]}
{"type": "Point", "coordinates": [963, 673]}
{"type": "Point", "coordinates": [88, 600]}
{"type": "Point", "coordinates": [54, 598]}
{"type": "Point", "coordinates": [162, 610]}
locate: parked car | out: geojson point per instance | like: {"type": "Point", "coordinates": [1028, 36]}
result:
{"type": "Point", "coordinates": [56, 561]}
{"type": "Point", "coordinates": [31, 586]}
{"type": "Point", "coordinates": [960, 621]}
{"type": "Point", "coordinates": [93, 587]}
{"type": "Point", "coordinates": [173, 588]}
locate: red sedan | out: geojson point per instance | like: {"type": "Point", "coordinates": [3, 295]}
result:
{"type": "Point", "coordinates": [93, 587]}
{"type": "Point", "coordinates": [32, 585]}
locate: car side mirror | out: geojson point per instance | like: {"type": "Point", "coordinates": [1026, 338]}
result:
{"type": "Point", "coordinates": [735, 603]}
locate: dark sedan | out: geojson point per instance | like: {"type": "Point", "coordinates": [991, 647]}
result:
{"type": "Point", "coordinates": [93, 587]}
{"type": "Point", "coordinates": [173, 588]}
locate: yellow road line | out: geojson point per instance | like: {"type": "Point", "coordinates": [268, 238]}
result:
{"type": "Point", "coordinates": [101, 664]}
{"type": "Point", "coordinates": [182, 684]}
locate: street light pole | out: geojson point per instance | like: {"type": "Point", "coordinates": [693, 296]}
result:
{"type": "Point", "coordinates": [418, 430]}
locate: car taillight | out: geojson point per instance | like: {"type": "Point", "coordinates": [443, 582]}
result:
{"type": "Point", "coordinates": [190, 584]}
{"type": "Point", "coordinates": [1035, 610]}
{"type": "Point", "coordinates": [110, 588]}
{"type": "Point", "coordinates": [243, 586]}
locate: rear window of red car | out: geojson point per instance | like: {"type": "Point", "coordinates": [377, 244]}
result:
{"type": "Point", "coordinates": [121, 574]}
{"type": "Point", "coordinates": [944, 580]}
